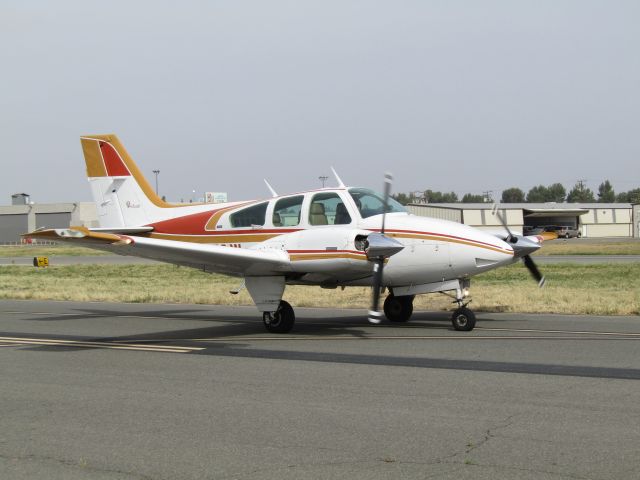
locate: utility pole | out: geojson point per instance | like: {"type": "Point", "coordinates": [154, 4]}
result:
{"type": "Point", "coordinates": [323, 179]}
{"type": "Point", "coordinates": [488, 196]}
{"type": "Point", "coordinates": [156, 172]}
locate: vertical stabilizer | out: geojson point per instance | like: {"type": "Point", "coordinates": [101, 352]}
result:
{"type": "Point", "coordinates": [122, 194]}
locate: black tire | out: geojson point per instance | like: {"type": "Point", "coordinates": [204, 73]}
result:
{"type": "Point", "coordinates": [463, 319]}
{"type": "Point", "coordinates": [280, 321]}
{"type": "Point", "coordinates": [398, 309]}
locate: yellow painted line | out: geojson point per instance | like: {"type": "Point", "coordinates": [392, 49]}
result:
{"type": "Point", "coordinates": [89, 345]}
{"type": "Point", "coordinates": [85, 343]}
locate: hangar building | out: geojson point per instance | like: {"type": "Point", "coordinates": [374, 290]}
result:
{"type": "Point", "coordinates": [592, 219]}
{"type": "Point", "coordinates": [23, 216]}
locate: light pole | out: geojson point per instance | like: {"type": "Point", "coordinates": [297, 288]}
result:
{"type": "Point", "coordinates": [323, 179]}
{"type": "Point", "coordinates": [156, 172]}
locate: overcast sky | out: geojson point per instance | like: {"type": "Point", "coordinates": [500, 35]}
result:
{"type": "Point", "coordinates": [447, 95]}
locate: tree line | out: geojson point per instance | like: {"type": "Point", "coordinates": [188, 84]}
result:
{"type": "Point", "coordinates": [555, 192]}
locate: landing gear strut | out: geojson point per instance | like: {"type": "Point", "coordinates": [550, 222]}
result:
{"type": "Point", "coordinates": [280, 321]}
{"type": "Point", "coordinates": [398, 309]}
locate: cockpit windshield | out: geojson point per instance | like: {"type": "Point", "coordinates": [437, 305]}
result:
{"type": "Point", "coordinates": [371, 203]}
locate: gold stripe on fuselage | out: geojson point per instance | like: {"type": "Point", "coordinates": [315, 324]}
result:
{"type": "Point", "coordinates": [470, 243]}
{"type": "Point", "coordinates": [325, 256]}
{"type": "Point", "coordinates": [261, 237]}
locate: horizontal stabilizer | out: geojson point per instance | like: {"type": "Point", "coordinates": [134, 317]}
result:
{"type": "Point", "coordinates": [123, 230]}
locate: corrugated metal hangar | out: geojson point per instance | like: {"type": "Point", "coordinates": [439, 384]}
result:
{"type": "Point", "coordinates": [591, 219]}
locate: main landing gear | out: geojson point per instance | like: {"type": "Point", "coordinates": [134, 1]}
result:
{"type": "Point", "coordinates": [398, 309]}
{"type": "Point", "coordinates": [280, 321]}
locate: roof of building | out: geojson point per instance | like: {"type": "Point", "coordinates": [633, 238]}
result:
{"type": "Point", "coordinates": [549, 206]}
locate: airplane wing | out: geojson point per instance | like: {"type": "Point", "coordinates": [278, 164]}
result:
{"type": "Point", "coordinates": [211, 258]}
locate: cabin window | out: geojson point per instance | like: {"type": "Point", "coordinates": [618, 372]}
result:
{"type": "Point", "coordinates": [286, 212]}
{"type": "Point", "coordinates": [247, 217]}
{"type": "Point", "coordinates": [328, 209]}
{"type": "Point", "coordinates": [371, 203]}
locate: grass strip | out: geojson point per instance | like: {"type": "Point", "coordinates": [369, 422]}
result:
{"type": "Point", "coordinates": [604, 289]}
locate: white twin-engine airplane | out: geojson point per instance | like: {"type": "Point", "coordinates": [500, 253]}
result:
{"type": "Point", "coordinates": [333, 237]}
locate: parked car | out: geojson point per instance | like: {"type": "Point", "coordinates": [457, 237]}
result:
{"type": "Point", "coordinates": [565, 231]}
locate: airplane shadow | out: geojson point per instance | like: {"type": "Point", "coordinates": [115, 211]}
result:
{"type": "Point", "coordinates": [237, 325]}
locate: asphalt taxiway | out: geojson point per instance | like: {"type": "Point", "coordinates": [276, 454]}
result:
{"type": "Point", "coordinates": [97, 390]}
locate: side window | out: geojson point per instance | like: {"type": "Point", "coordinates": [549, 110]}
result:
{"type": "Point", "coordinates": [328, 209]}
{"type": "Point", "coordinates": [286, 212]}
{"type": "Point", "coordinates": [249, 216]}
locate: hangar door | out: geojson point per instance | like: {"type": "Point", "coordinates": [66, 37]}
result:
{"type": "Point", "coordinates": [548, 217]}
{"type": "Point", "coordinates": [12, 226]}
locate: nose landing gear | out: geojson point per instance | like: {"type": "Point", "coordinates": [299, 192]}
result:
{"type": "Point", "coordinates": [463, 319]}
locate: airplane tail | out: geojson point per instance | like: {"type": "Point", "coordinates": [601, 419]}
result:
{"type": "Point", "coordinates": [122, 194]}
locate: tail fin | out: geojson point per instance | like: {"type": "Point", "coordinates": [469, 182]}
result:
{"type": "Point", "coordinates": [122, 194]}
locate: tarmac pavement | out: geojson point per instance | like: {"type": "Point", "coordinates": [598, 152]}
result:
{"type": "Point", "coordinates": [139, 391]}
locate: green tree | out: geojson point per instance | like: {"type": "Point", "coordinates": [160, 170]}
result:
{"type": "Point", "coordinates": [471, 198]}
{"type": "Point", "coordinates": [556, 193]}
{"type": "Point", "coordinates": [580, 194]}
{"type": "Point", "coordinates": [632, 196]}
{"type": "Point", "coordinates": [451, 197]}
{"type": "Point", "coordinates": [606, 193]}
{"type": "Point", "coordinates": [538, 194]}
{"type": "Point", "coordinates": [512, 195]}
{"type": "Point", "coordinates": [402, 198]}
{"type": "Point", "coordinates": [440, 197]}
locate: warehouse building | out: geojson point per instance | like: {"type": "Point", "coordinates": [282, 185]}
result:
{"type": "Point", "coordinates": [22, 217]}
{"type": "Point", "coordinates": [591, 219]}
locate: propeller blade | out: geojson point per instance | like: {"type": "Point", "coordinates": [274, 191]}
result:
{"type": "Point", "coordinates": [385, 248]}
{"type": "Point", "coordinates": [535, 273]}
{"type": "Point", "coordinates": [388, 179]}
{"type": "Point", "coordinates": [503, 221]}
{"type": "Point", "coordinates": [375, 316]}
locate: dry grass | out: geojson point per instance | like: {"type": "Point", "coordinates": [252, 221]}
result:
{"type": "Point", "coordinates": [579, 289]}
{"type": "Point", "coordinates": [604, 247]}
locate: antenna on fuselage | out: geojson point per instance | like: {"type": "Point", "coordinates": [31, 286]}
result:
{"type": "Point", "coordinates": [273, 192]}
{"type": "Point", "coordinates": [338, 179]}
